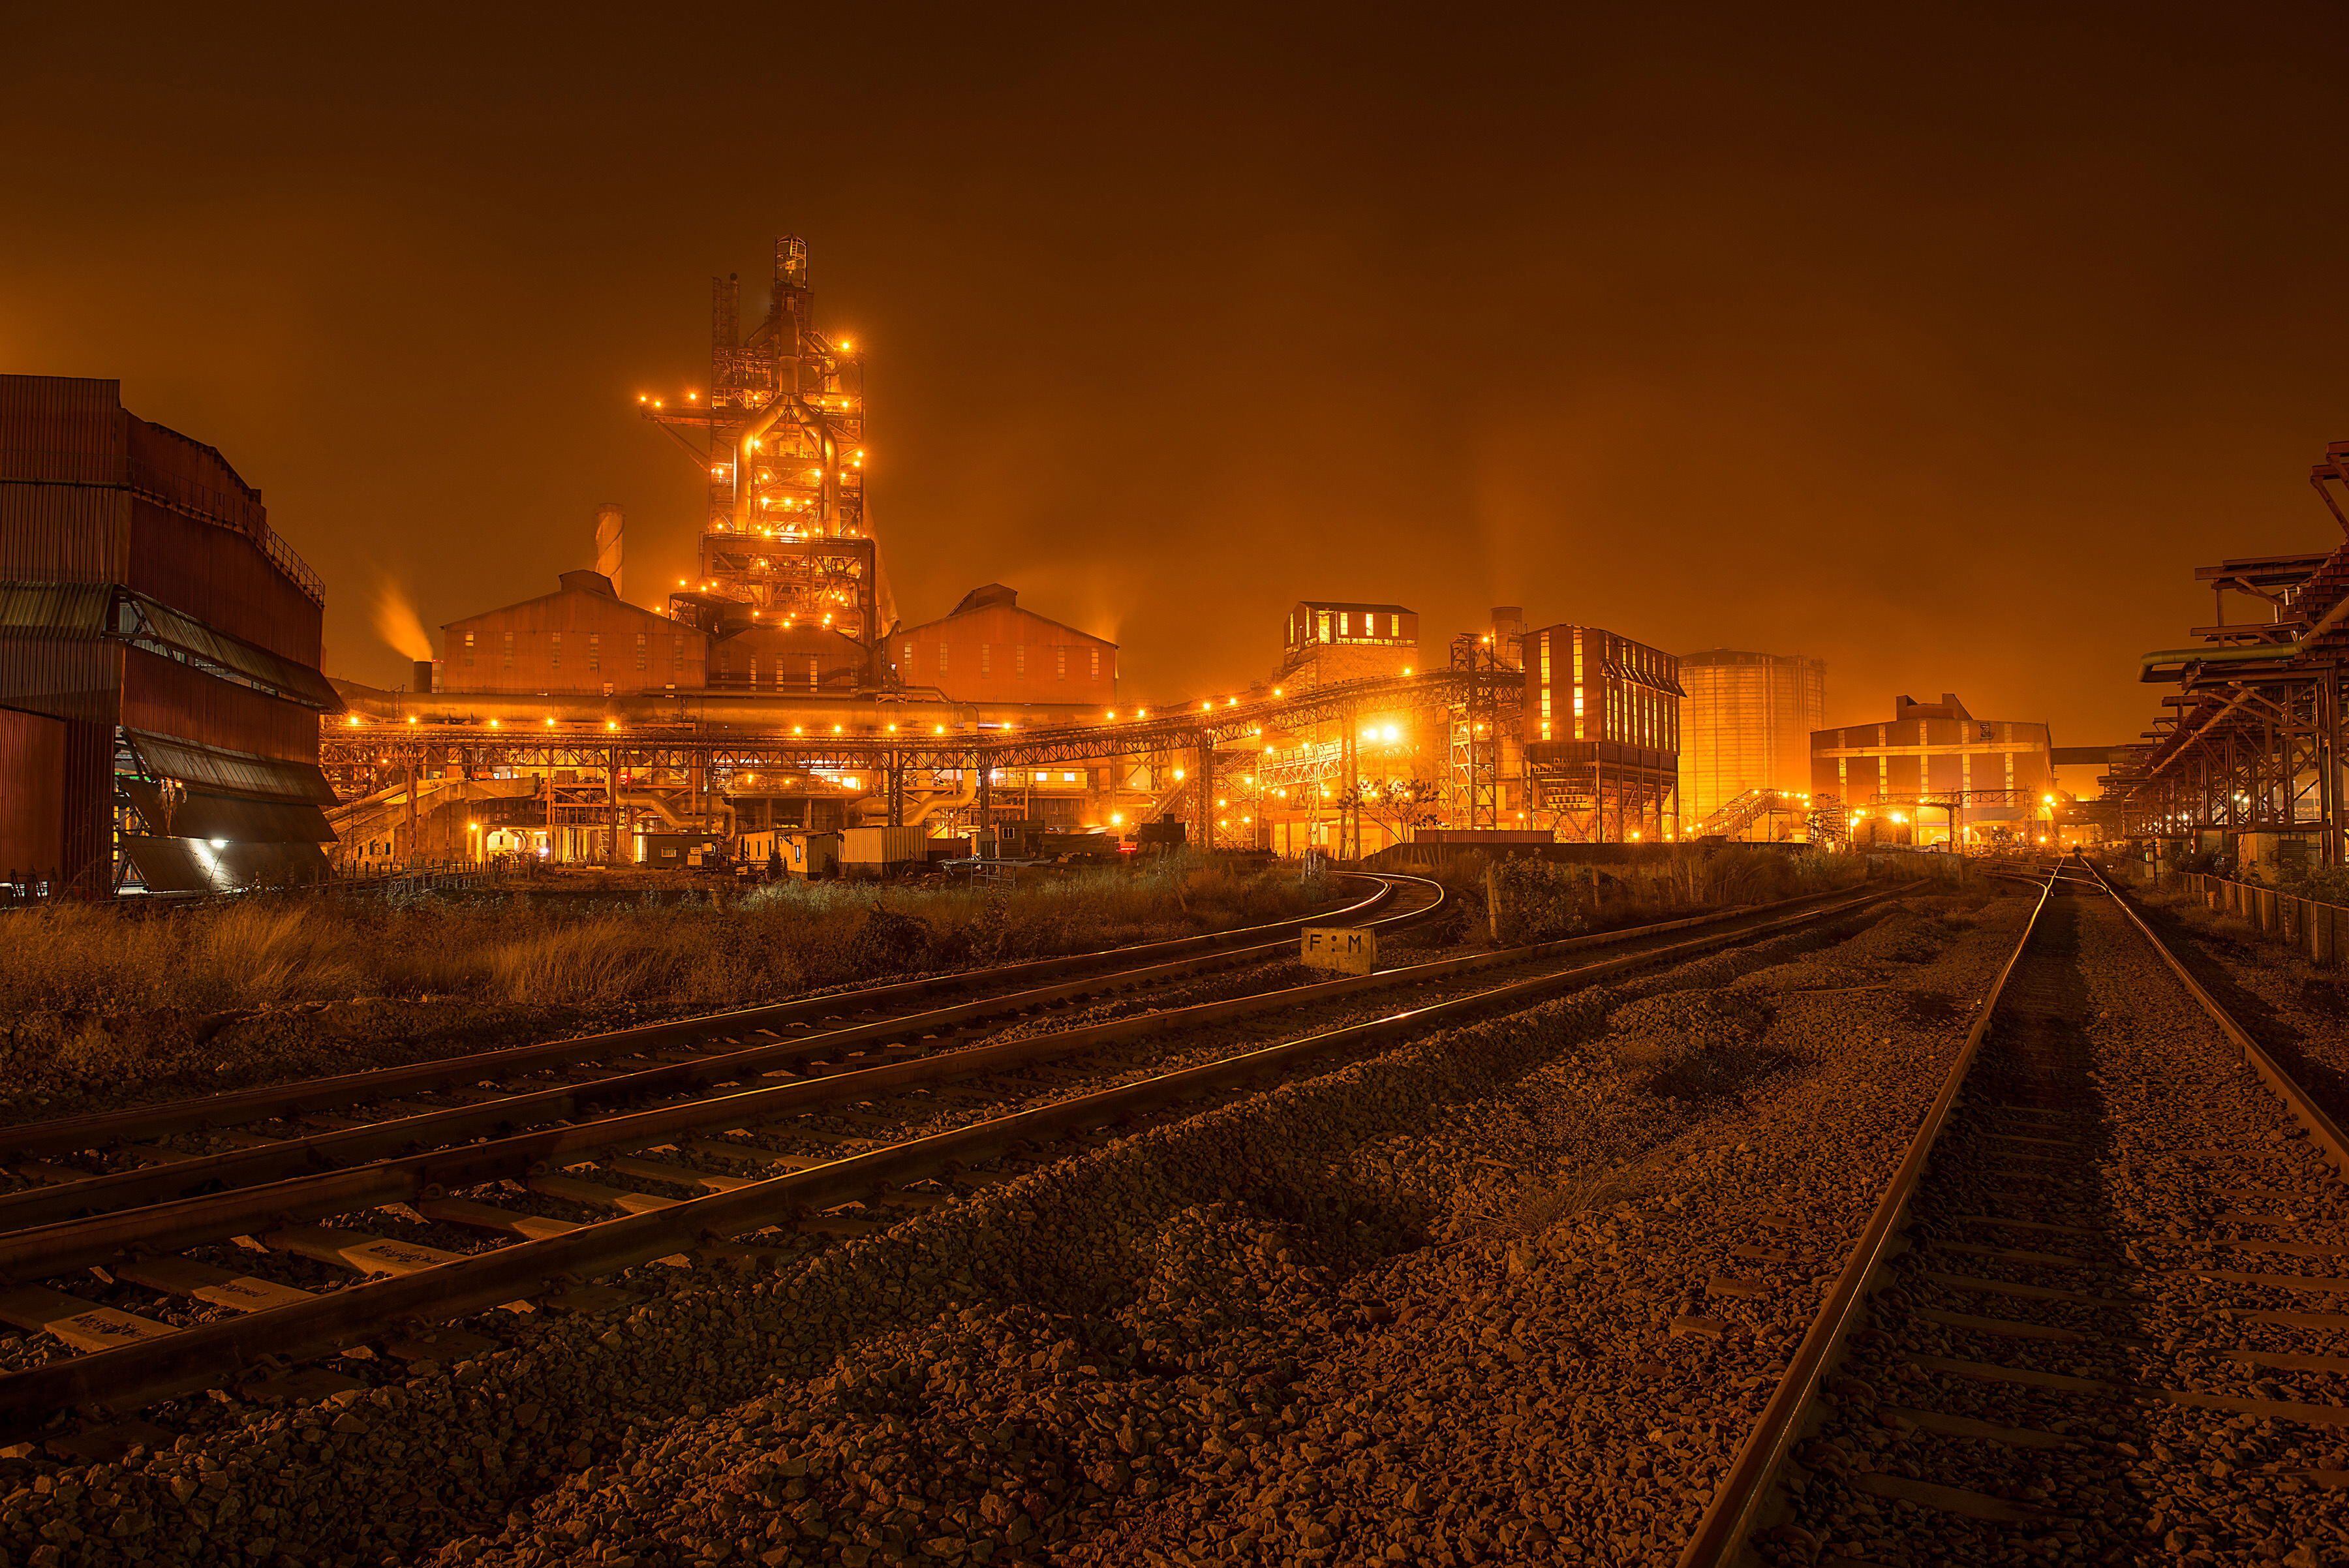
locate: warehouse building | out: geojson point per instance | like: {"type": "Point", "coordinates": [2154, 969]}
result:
{"type": "Point", "coordinates": [1934, 774]}
{"type": "Point", "coordinates": [988, 649]}
{"type": "Point", "coordinates": [159, 692]}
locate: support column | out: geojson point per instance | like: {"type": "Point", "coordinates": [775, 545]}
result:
{"type": "Point", "coordinates": [894, 769]}
{"type": "Point", "coordinates": [1349, 798]}
{"type": "Point", "coordinates": [1203, 791]}
{"type": "Point", "coordinates": [612, 803]}
{"type": "Point", "coordinates": [985, 796]}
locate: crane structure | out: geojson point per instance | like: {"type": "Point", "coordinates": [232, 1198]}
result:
{"type": "Point", "coordinates": [785, 541]}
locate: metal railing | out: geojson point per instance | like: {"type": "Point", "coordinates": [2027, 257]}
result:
{"type": "Point", "coordinates": [238, 513]}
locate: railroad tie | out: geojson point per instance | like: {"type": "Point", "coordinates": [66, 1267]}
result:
{"type": "Point", "coordinates": [69, 1320]}
{"type": "Point", "coordinates": [358, 1250]}
{"type": "Point", "coordinates": [209, 1284]}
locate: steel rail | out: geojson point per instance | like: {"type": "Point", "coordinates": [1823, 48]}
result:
{"type": "Point", "coordinates": [38, 1251]}
{"type": "Point", "coordinates": [287, 1156]}
{"type": "Point", "coordinates": [210, 1354]}
{"type": "Point", "coordinates": [1730, 1517]}
{"type": "Point", "coordinates": [2322, 1127]}
{"type": "Point", "coordinates": [68, 1134]}
{"type": "Point", "coordinates": [1723, 1532]}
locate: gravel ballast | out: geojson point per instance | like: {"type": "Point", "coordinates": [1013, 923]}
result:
{"type": "Point", "coordinates": [1481, 1297]}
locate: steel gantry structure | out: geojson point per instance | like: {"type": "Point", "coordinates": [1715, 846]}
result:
{"type": "Point", "coordinates": [1186, 754]}
{"type": "Point", "coordinates": [2249, 742]}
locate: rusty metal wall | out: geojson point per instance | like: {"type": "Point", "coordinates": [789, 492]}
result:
{"type": "Point", "coordinates": [62, 429]}
{"type": "Point", "coordinates": [62, 533]}
{"type": "Point", "coordinates": [31, 793]}
{"type": "Point", "coordinates": [223, 580]}
{"type": "Point", "coordinates": [79, 679]}
{"type": "Point", "coordinates": [167, 698]}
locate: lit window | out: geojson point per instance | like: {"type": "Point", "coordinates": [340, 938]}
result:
{"type": "Point", "coordinates": [1019, 660]}
{"type": "Point", "coordinates": [942, 661]}
{"type": "Point", "coordinates": [1096, 653]}
{"type": "Point", "coordinates": [907, 661]}
{"type": "Point", "coordinates": [555, 650]}
{"type": "Point", "coordinates": [505, 657]}
{"type": "Point", "coordinates": [641, 655]}
{"type": "Point", "coordinates": [595, 651]}
{"type": "Point", "coordinates": [986, 658]}
{"type": "Point", "coordinates": [1061, 663]}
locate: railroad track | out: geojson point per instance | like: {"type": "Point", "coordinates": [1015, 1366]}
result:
{"type": "Point", "coordinates": [2097, 1313]}
{"type": "Point", "coordinates": [49, 1164]}
{"type": "Point", "coordinates": [135, 1302]}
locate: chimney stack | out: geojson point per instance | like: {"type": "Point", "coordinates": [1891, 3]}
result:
{"type": "Point", "coordinates": [607, 545]}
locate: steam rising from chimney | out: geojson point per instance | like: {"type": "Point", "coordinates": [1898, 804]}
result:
{"type": "Point", "coordinates": [398, 623]}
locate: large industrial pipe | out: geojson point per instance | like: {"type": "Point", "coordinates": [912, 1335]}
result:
{"type": "Point", "coordinates": [964, 797]}
{"type": "Point", "coordinates": [744, 454]}
{"type": "Point", "coordinates": [2151, 666]}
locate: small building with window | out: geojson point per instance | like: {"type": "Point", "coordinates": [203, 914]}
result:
{"type": "Point", "coordinates": [989, 649]}
{"type": "Point", "coordinates": [1329, 641]}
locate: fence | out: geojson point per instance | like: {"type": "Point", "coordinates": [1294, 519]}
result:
{"type": "Point", "coordinates": [2317, 930]}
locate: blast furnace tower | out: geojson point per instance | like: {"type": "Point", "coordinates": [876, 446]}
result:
{"type": "Point", "coordinates": [780, 432]}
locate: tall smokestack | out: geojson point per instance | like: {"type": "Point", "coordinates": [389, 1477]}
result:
{"type": "Point", "coordinates": [607, 545]}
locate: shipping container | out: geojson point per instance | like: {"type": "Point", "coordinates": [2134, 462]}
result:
{"type": "Point", "coordinates": [881, 851]}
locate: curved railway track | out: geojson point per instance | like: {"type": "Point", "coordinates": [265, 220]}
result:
{"type": "Point", "coordinates": [2097, 1314]}
{"type": "Point", "coordinates": [212, 1270]}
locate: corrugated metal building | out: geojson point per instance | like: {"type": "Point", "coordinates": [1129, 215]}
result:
{"type": "Point", "coordinates": [581, 639]}
{"type": "Point", "coordinates": [988, 649]}
{"type": "Point", "coordinates": [159, 653]}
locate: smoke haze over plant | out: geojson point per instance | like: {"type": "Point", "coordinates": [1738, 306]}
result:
{"type": "Point", "coordinates": [1939, 344]}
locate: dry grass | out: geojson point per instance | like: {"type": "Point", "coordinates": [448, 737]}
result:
{"type": "Point", "coordinates": [775, 942]}
{"type": "Point", "coordinates": [102, 1005]}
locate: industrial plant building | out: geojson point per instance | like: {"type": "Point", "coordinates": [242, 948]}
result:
{"type": "Point", "coordinates": [1602, 734]}
{"type": "Point", "coordinates": [159, 690]}
{"type": "Point", "coordinates": [1745, 742]}
{"type": "Point", "coordinates": [1934, 774]}
{"type": "Point", "coordinates": [777, 693]}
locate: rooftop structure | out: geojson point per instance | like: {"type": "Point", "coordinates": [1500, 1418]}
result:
{"type": "Point", "coordinates": [1330, 641]}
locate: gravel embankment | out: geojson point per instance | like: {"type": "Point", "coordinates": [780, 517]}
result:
{"type": "Point", "coordinates": [1426, 1302]}
{"type": "Point", "coordinates": [2149, 1159]}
